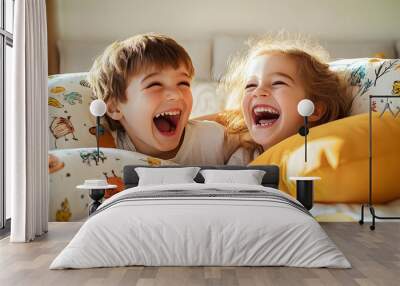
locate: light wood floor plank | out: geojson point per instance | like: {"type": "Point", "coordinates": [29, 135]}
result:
{"type": "Point", "coordinates": [375, 257]}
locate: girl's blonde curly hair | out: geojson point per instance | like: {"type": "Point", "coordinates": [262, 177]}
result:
{"type": "Point", "coordinates": [320, 82]}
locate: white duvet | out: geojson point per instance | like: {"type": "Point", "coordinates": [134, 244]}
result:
{"type": "Point", "coordinates": [183, 231]}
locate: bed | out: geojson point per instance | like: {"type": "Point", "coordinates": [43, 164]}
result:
{"type": "Point", "coordinates": [201, 224]}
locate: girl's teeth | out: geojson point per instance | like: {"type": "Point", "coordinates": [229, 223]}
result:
{"type": "Point", "coordinates": [266, 122]}
{"type": "Point", "coordinates": [265, 109]}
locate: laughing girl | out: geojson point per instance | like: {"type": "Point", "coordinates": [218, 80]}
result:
{"type": "Point", "coordinates": [265, 87]}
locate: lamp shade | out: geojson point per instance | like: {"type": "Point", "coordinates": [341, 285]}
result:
{"type": "Point", "coordinates": [305, 107]}
{"type": "Point", "coordinates": [98, 107]}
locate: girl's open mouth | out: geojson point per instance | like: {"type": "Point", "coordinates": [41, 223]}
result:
{"type": "Point", "coordinates": [167, 122]}
{"type": "Point", "coordinates": [265, 115]}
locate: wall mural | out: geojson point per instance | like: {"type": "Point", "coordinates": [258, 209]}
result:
{"type": "Point", "coordinates": [155, 126]}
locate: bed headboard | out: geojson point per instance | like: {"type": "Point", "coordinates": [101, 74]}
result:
{"type": "Point", "coordinates": [210, 55]}
{"type": "Point", "coordinates": [270, 179]}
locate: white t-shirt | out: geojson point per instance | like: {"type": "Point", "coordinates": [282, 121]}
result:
{"type": "Point", "coordinates": [242, 157]}
{"type": "Point", "coordinates": [203, 144]}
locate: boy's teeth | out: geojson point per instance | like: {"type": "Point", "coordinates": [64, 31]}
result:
{"type": "Point", "coordinates": [168, 113]}
{"type": "Point", "coordinates": [172, 112]}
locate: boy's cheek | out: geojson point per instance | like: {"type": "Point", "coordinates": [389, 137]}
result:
{"type": "Point", "coordinates": [189, 97]}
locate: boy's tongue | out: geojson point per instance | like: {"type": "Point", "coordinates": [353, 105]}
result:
{"type": "Point", "coordinates": [162, 124]}
{"type": "Point", "coordinates": [166, 123]}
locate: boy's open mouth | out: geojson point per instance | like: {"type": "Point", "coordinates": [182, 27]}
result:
{"type": "Point", "coordinates": [265, 115]}
{"type": "Point", "coordinates": [167, 122]}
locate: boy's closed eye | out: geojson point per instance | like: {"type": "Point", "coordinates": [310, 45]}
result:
{"type": "Point", "coordinates": [159, 84]}
{"type": "Point", "coordinates": [184, 83]}
{"type": "Point", "coordinates": [153, 84]}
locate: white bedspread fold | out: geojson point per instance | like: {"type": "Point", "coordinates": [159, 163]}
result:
{"type": "Point", "coordinates": [201, 224]}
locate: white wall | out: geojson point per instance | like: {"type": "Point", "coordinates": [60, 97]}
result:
{"type": "Point", "coordinates": [117, 19]}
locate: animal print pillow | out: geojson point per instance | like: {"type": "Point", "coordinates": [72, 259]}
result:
{"type": "Point", "coordinates": [71, 123]}
{"type": "Point", "coordinates": [70, 167]}
{"type": "Point", "coordinates": [372, 77]}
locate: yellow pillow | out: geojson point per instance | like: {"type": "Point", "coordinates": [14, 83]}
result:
{"type": "Point", "coordinates": [338, 152]}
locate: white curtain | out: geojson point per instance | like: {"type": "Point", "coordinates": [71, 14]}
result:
{"type": "Point", "coordinates": [27, 124]}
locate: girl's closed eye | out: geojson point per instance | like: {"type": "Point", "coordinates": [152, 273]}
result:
{"type": "Point", "coordinates": [250, 86]}
{"type": "Point", "coordinates": [279, 82]}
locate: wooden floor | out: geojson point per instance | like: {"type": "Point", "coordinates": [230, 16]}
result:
{"type": "Point", "coordinates": [375, 257]}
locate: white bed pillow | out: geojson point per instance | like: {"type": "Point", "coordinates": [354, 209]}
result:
{"type": "Point", "coordinates": [249, 177]}
{"type": "Point", "coordinates": [162, 176]}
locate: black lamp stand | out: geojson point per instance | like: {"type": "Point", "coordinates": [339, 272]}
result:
{"type": "Point", "coordinates": [305, 193]}
{"type": "Point", "coordinates": [303, 131]}
{"type": "Point", "coordinates": [97, 137]}
{"type": "Point", "coordinates": [96, 195]}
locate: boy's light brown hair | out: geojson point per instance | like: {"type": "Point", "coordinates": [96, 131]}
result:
{"type": "Point", "coordinates": [111, 72]}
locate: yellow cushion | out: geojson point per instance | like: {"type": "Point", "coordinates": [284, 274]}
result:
{"type": "Point", "coordinates": [338, 152]}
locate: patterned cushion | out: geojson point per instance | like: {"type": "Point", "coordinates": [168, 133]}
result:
{"type": "Point", "coordinates": [71, 124]}
{"type": "Point", "coordinates": [371, 77]}
{"type": "Point", "coordinates": [70, 167]}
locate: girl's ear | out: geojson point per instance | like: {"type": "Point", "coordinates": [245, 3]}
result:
{"type": "Point", "coordinates": [319, 111]}
{"type": "Point", "coordinates": [113, 110]}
